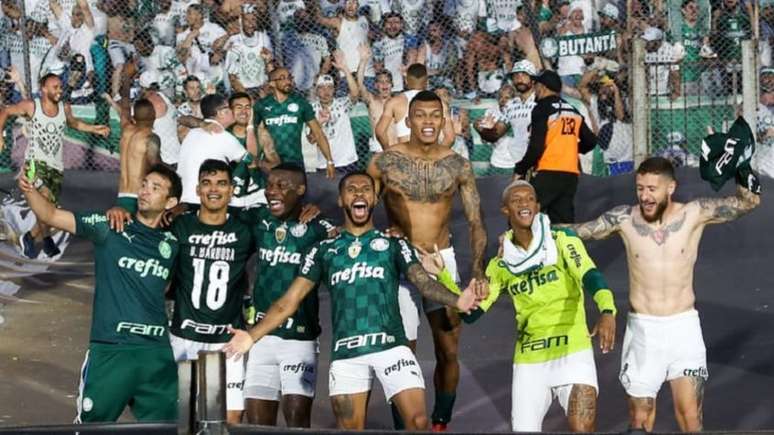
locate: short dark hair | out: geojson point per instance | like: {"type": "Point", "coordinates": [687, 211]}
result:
{"type": "Point", "coordinates": [391, 15]}
{"type": "Point", "coordinates": [144, 111]}
{"type": "Point", "coordinates": [44, 79]}
{"type": "Point", "coordinates": [425, 96]}
{"type": "Point", "coordinates": [685, 2]}
{"type": "Point", "coordinates": [145, 36]}
{"type": "Point", "coordinates": [175, 185]}
{"type": "Point", "coordinates": [416, 71]}
{"type": "Point", "coordinates": [658, 166]}
{"type": "Point", "coordinates": [210, 104]}
{"type": "Point", "coordinates": [237, 95]}
{"type": "Point", "coordinates": [384, 72]}
{"type": "Point", "coordinates": [190, 79]}
{"type": "Point", "coordinates": [294, 168]}
{"type": "Point", "coordinates": [211, 166]}
{"type": "Point", "coordinates": [354, 174]}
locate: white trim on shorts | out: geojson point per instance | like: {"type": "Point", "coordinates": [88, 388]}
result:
{"type": "Point", "coordinates": [535, 386]}
{"type": "Point", "coordinates": [648, 359]}
{"type": "Point", "coordinates": [184, 349]}
{"type": "Point", "coordinates": [277, 367]}
{"type": "Point", "coordinates": [397, 369]}
{"type": "Point", "coordinates": [127, 195]}
{"type": "Point", "coordinates": [81, 388]}
{"type": "Point", "coordinates": [410, 299]}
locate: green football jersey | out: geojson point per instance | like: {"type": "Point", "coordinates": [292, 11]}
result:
{"type": "Point", "coordinates": [692, 41]}
{"type": "Point", "coordinates": [362, 274]}
{"type": "Point", "coordinates": [132, 269]}
{"type": "Point", "coordinates": [242, 140]}
{"type": "Point", "coordinates": [210, 279]}
{"type": "Point", "coordinates": [281, 246]}
{"type": "Point", "coordinates": [285, 122]}
{"type": "Point", "coordinates": [548, 301]}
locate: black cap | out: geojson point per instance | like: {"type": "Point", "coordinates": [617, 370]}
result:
{"type": "Point", "coordinates": [549, 79]}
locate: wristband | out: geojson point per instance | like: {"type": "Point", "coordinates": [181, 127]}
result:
{"type": "Point", "coordinates": [605, 301]}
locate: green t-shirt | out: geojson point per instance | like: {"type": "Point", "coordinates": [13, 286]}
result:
{"type": "Point", "coordinates": [362, 274]}
{"type": "Point", "coordinates": [692, 41]}
{"type": "Point", "coordinates": [242, 140]}
{"type": "Point", "coordinates": [550, 313]}
{"type": "Point", "coordinates": [285, 122]}
{"type": "Point", "coordinates": [281, 246]}
{"type": "Point", "coordinates": [210, 279]}
{"type": "Point", "coordinates": [132, 269]}
{"type": "Point", "coordinates": [732, 29]}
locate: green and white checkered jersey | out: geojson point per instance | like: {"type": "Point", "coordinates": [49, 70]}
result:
{"type": "Point", "coordinates": [362, 274]}
{"type": "Point", "coordinates": [132, 269]}
{"type": "Point", "coordinates": [210, 279]}
{"type": "Point", "coordinates": [285, 122]}
{"type": "Point", "coordinates": [281, 245]}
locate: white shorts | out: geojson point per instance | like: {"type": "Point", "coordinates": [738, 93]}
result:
{"type": "Point", "coordinates": [397, 370]}
{"type": "Point", "coordinates": [648, 358]}
{"type": "Point", "coordinates": [277, 367]}
{"type": "Point", "coordinates": [536, 385]}
{"type": "Point", "coordinates": [410, 299]}
{"type": "Point", "coordinates": [186, 350]}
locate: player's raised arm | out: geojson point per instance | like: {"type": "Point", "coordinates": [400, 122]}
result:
{"type": "Point", "coordinates": [44, 210]}
{"type": "Point", "coordinates": [726, 209]}
{"type": "Point", "coordinates": [278, 313]}
{"type": "Point", "coordinates": [385, 121]}
{"type": "Point", "coordinates": [602, 227]}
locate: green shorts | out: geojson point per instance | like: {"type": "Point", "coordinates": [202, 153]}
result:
{"type": "Point", "coordinates": [115, 375]}
{"type": "Point", "coordinates": [50, 178]}
{"type": "Point", "coordinates": [128, 202]}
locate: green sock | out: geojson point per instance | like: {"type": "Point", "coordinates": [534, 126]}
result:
{"type": "Point", "coordinates": [397, 420]}
{"type": "Point", "coordinates": [444, 403]}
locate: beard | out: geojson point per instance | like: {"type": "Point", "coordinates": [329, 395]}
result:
{"type": "Point", "coordinates": [523, 87]}
{"type": "Point", "coordinates": [660, 208]}
{"type": "Point", "coordinates": [348, 211]}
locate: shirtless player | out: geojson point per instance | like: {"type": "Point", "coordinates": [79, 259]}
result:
{"type": "Point", "coordinates": [139, 147]}
{"type": "Point", "coordinates": [419, 179]}
{"type": "Point", "coordinates": [396, 111]}
{"type": "Point", "coordinates": [662, 240]}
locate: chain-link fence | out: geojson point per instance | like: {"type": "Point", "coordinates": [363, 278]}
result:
{"type": "Point", "coordinates": [188, 48]}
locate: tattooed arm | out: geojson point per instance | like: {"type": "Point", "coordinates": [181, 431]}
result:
{"type": "Point", "coordinates": [603, 226]}
{"type": "Point", "coordinates": [471, 205]}
{"type": "Point", "coordinates": [719, 210]}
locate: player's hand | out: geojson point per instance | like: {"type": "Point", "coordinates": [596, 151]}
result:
{"type": "Point", "coordinates": [482, 289]}
{"type": "Point", "coordinates": [395, 232]}
{"type": "Point", "coordinates": [431, 262]}
{"type": "Point", "coordinates": [239, 344]}
{"type": "Point", "coordinates": [308, 212]}
{"type": "Point", "coordinates": [605, 327]}
{"type": "Point", "coordinates": [170, 215]}
{"type": "Point", "coordinates": [117, 218]}
{"type": "Point", "coordinates": [25, 184]}
{"type": "Point", "coordinates": [102, 130]}
{"type": "Point", "coordinates": [330, 171]}
{"type": "Point", "coordinates": [468, 300]}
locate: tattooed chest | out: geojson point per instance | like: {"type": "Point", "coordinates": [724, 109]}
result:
{"type": "Point", "coordinates": [660, 235]}
{"type": "Point", "coordinates": [422, 180]}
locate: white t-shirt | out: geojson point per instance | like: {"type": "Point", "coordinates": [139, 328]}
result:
{"type": "Point", "coordinates": [163, 28]}
{"type": "Point", "coordinates": [207, 35]}
{"type": "Point", "coordinates": [80, 39]}
{"type": "Point", "coordinates": [166, 128]}
{"type": "Point", "coordinates": [390, 51]}
{"type": "Point", "coordinates": [511, 148]}
{"type": "Point", "coordinates": [244, 58]}
{"type": "Point", "coordinates": [667, 57]}
{"type": "Point", "coordinates": [199, 146]}
{"type": "Point", "coordinates": [351, 35]}
{"type": "Point", "coordinates": [500, 15]}
{"type": "Point", "coordinates": [338, 130]}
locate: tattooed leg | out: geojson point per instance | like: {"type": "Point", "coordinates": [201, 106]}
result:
{"type": "Point", "coordinates": [642, 413]}
{"type": "Point", "coordinates": [582, 408]}
{"type": "Point", "coordinates": [350, 410]}
{"type": "Point", "coordinates": [688, 395]}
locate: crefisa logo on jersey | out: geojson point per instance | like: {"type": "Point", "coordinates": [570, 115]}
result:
{"type": "Point", "coordinates": [380, 244]}
{"type": "Point", "coordinates": [357, 271]}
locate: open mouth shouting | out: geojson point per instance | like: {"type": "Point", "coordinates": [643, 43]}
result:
{"type": "Point", "coordinates": [360, 210]}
